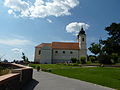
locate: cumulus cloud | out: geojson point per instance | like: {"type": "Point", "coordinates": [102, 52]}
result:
{"type": "Point", "coordinates": [40, 8]}
{"type": "Point", "coordinates": [75, 27]}
{"type": "Point", "coordinates": [14, 42]}
{"type": "Point", "coordinates": [17, 50]}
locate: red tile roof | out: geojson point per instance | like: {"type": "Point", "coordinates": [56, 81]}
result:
{"type": "Point", "coordinates": [61, 45]}
{"type": "Point", "coordinates": [44, 44]}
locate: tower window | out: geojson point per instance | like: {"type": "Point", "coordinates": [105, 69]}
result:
{"type": "Point", "coordinates": [56, 51]}
{"type": "Point", "coordinates": [82, 39]}
{"type": "Point", "coordinates": [64, 52]}
{"type": "Point", "coordinates": [39, 52]}
{"type": "Point", "coordinates": [71, 52]}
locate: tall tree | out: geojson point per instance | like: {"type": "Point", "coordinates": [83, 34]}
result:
{"type": "Point", "coordinates": [112, 43]}
{"type": "Point", "coordinates": [24, 57]}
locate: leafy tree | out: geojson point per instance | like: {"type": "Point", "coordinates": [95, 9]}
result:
{"type": "Point", "coordinates": [95, 48]}
{"type": "Point", "coordinates": [25, 59]}
{"type": "Point", "coordinates": [112, 43]}
{"type": "Point", "coordinates": [108, 49]}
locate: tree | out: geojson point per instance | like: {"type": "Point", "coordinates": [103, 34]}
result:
{"type": "Point", "coordinates": [95, 48]}
{"type": "Point", "coordinates": [108, 49]}
{"type": "Point", "coordinates": [25, 59]}
{"type": "Point", "coordinates": [112, 43]}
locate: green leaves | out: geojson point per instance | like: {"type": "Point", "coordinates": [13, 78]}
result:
{"type": "Point", "coordinates": [95, 48]}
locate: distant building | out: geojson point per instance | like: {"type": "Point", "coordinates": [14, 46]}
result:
{"type": "Point", "coordinates": [60, 52]}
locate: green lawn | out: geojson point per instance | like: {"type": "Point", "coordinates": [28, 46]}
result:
{"type": "Point", "coordinates": [105, 76]}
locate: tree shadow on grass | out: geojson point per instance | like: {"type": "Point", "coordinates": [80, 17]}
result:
{"type": "Point", "coordinates": [31, 85]}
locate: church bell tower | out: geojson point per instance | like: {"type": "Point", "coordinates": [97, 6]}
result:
{"type": "Point", "coordinates": [81, 38]}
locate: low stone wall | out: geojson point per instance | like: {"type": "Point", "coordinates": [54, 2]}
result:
{"type": "Point", "coordinates": [17, 78]}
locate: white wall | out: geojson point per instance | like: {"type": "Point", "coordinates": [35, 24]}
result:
{"type": "Point", "coordinates": [37, 56]}
{"type": "Point", "coordinates": [62, 57]}
{"type": "Point", "coordinates": [46, 55]}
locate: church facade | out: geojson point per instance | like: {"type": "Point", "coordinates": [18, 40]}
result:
{"type": "Point", "coordinates": [60, 52]}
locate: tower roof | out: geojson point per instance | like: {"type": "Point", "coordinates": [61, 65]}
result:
{"type": "Point", "coordinates": [82, 31]}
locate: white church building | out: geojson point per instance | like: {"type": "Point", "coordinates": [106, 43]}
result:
{"type": "Point", "coordinates": [60, 52]}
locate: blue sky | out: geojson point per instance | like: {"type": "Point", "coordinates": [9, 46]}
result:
{"type": "Point", "coordinates": [27, 23]}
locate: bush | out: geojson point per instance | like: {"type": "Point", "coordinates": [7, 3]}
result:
{"type": "Point", "coordinates": [114, 57]}
{"type": "Point", "coordinates": [104, 59]}
{"type": "Point", "coordinates": [83, 60]}
{"type": "Point", "coordinates": [92, 59]}
{"type": "Point", "coordinates": [38, 68]}
{"type": "Point", "coordinates": [74, 60]}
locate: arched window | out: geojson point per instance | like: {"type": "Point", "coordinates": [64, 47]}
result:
{"type": "Point", "coordinates": [82, 39]}
{"type": "Point", "coordinates": [39, 52]}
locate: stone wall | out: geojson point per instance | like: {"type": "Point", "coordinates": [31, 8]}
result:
{"type": "Point", "coordinates": [10, 82]}
{"type": "Point", "coordinates": [17, 78]}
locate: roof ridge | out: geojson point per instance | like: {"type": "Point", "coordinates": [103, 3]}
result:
{"type": "Point", "coordinates": [61, 45]}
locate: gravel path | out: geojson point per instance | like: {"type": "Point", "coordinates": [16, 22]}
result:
{"type": "Point", "coordinates": [48, 81]}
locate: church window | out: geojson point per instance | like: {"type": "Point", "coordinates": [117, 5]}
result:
{"type": "Point", "coordinates": [39, 52]}
{"type": "Point", "coordinates": [64, 52]}
{"type": "Point", "coordinates": [82, 39]}
{"type": "Point", "coordinates": [56, 51]}
{"type": "Point", "coordinates": [71, 52]}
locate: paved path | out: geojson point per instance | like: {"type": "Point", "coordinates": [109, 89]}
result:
{"type": "Point", "coordinates": [48, 81]}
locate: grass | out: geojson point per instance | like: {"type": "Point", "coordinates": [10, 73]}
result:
{"type": "Point", "coordinates": [50, 66]}
{"type": "Point", "coordinates": [4, 70]}
{"type": "Point", "coordinates": [105, 76]}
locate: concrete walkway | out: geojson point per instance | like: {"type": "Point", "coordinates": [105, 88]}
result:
{"type": "Point", "coordinates": [48, 81]}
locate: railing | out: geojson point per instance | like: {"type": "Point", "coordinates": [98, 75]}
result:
{"type": "Point", "coordinates": [17, 78]}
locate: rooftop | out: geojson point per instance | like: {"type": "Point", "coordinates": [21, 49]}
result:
{"type": "Point", "coordinates": [61, 45]}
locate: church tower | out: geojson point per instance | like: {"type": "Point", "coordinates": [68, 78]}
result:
{"type": "Point", "coordinates": [81, 38]}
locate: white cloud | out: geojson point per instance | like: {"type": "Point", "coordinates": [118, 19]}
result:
{"type": "Point", "coordinates": [10, 11]}
{"type": "Point", "coordinates": [14, 42]}
{"type": "Point", "coordinates": [40, 8]}
{"type": "Point", "coordinates": [50, 21]}
{"type": "Point", "coordinates": [75, 27]}
{"type": "Point", "coordinates": [17, 50]}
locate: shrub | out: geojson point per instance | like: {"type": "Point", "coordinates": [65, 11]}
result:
{"type": "Point", "coordinates": [114, 57]}
{"type": "Point", "coordinates": [38, 68]}
{"type": "Point", "coordinates": [104, 59]}
{"type": "Point", "coordinates": [83, 60]}
{"type": "Point", "coordinates": [92, 59]}
{"type": "Point", "coordinates": [74, 60]}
